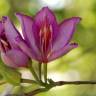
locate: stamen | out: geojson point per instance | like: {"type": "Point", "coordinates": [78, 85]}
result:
{"type": "Point", "coordinates": [45, 29]}
{"type": "Point", "coordinates": [4, 42]}
{"type": "Point", "coordinates": [45, 35]}
{"type": "Point", "coordinates": [5, 45]}
{"type": "Point", "coordinates": [49, 54]}
{"type": "Point", "coordinates": [2, 47]}
{"type": "Point", "coordinates": [40, 35]}
{"type": "Point", "coordinates": [50, 51]}
{"type": "Point", "coordinates": [51, 30]}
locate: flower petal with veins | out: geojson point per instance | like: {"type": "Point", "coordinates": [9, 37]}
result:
{"type": "Point", "coordinates": [10, 31]}
{"type": "Point", "coordinates": [44, 39]}
{"type": "Point", "coordinates": [10, 53]}
{"type": "Point", "coordinates": [14, 58]}
{"type": "Point", "coordinates": [66, 31]}
{"type": "Point", "coordinates": [56, 54]}
{"type": "Point", "coordinates": [27, 22]}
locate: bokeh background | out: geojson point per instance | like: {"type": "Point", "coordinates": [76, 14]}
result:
{"type": "Point", "coordinates": [80, 63]}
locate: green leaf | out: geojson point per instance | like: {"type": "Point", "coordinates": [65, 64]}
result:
{"type": "Point", "coordinates": [11, 75]}
{"type": "Point", "coordinates": [30, 88]}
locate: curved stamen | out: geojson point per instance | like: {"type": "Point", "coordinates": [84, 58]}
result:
{"type": "Point", "coordinates": [4, 42]}
{"type": "Point", "coordinates": [50, 51]}
{"type": "Point", "coordinates": [5, 45]}
{"type": "Point", "coordinates": [46, 39]}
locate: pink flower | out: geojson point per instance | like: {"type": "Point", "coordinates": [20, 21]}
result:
{"type": "Point", "coordinates": [11, 54]}
{"type": "Point", "coordinates": [44, 39]}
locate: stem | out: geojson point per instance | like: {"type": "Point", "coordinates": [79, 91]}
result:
{"type": "Point", "coordinates": [45, 73]}
{"type": "Point", "coordinates": [28, 81]}
{"type": "Point", "coordinates": [60, 83]}
{"type": "Point", "coordinates": [39, 90]}
{"type": "Point", "coordinates": [54, 84]}
{"type": "Point", "coordinates": [40, 66]}
{"type": "Point", "coordinates": [33, 72]}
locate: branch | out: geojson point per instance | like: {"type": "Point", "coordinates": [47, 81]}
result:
{"type": "Point", "coordinates": [28, 81]}
{"type": "Point", "coordinates": [59, 83]}
{"type": "Point", "coordinates": [39, 90]}
{"type": "Point", "coordinates": [53, 84]}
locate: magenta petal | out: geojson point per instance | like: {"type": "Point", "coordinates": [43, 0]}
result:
{"type": "Point", "coordinates": [1, 47]}
{"type": "Point", "coordinates": [62, 51]}
{"type": "Point", "coordinates": [27, 50]}
{"type": "Point", "coordinates": [1, 33]}
{"type": "Point", "coordinates": [15, 58]}
{"type": "Point", "coordinates": [27, 22]}
{"type": "Point", "coordinates": [10, 31]}
{"type": "Point", "coordinates": [66, 30]}
{"type": "Point", "coordinates": [1, 28]}
{"type": "Point", "coordinates": [45, 15]}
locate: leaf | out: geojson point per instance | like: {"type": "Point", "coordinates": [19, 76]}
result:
{"type": "Point", "coordinates": [12, 76]}
{"type": "Point", "coordinates": [30, 88]}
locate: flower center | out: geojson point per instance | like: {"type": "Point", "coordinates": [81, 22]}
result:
{"type": "Point", "coordinates": [5, 45]}
{"type": "Point", "coordinates": [46, 38]}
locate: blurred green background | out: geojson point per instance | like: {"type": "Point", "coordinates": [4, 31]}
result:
{"type": "Point", "coordinates": [80, 63]}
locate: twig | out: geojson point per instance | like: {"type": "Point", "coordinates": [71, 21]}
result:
{"type": "Point", "coordinates": [59, 83]}
{"type": "Point", "coordinates": [45, 73]}
{"type": "Point", "coordinates": [28, 81]}
{"type": "Point", "coordinates": [39, 90]}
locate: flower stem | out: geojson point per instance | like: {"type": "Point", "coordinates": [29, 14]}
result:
{"type": "Point", "coordinates": [39, 90]}
{"type": "Point", "coordinates": [45, 73]}
{"type": "Point", "coordinates": [54, 84]}
{"type": "Point", "coordinates": [28, 81]}
{"type": "Point", "coordinates": [40, 66]}
{"type": "Point", "coordinates": [59, 83]}
{"type": "Point", "coordinates": [33, 72]}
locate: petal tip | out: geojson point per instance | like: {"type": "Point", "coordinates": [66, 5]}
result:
{"type": "Point", "coordinates": [20, 15]}
{"type": "Point", "coordinates": [77, 19]}
{"type": "Point", "coordinates": [4, 18]}
{"type": "Point", "coordinates": [74, 45]}
{"type": "Point", "coordinates": [46, 9]}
